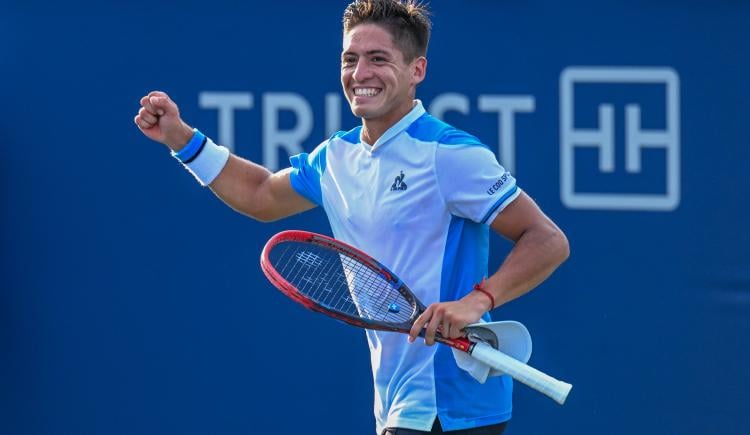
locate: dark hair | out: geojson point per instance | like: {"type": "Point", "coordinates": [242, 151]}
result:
{"type": "Point", "coordinates": [407, 21]}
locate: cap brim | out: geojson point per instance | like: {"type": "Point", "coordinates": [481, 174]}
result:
{"type": "Point", "coordinates": [513, 338]}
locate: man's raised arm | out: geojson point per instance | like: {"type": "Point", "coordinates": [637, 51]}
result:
{"type": "Point", "coordinates": [247, 187]}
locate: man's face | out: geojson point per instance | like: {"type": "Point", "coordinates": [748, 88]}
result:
{"type": "Point", "coordinates": [377, 82]}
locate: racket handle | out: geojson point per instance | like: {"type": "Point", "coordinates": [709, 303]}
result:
{"type": "Point", "coordinates": [545, 384]}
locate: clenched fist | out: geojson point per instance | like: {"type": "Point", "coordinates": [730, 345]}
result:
{"type": "Point", "coordinates": [159, 119]}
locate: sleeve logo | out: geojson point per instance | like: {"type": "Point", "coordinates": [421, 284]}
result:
{"type": "Point", "coordinates": [498, 184]}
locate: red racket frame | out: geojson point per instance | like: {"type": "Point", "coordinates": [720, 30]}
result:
{"type": "Point", "coordinates": [291, 291]}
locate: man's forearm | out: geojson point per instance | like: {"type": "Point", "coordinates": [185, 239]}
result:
{"type": "Point", "coordinates": [254, 191]}
{"type": "Point", "coordinates": [536, 254]}
{"type": "Point", "coordinates": [239, 186]}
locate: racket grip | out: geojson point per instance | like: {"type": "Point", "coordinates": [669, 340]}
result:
{"type": "Point", "coordinates": [545, 384]}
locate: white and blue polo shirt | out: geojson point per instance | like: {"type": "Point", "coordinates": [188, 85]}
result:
{"type": "Point", "coordinates": [420, 201]}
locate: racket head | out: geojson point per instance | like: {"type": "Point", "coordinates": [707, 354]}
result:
{"type": "Point", "coordinates": [333, 278]}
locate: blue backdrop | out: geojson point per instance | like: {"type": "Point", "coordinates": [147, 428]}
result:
{"type": "Point", "coordinates": [131, 300]}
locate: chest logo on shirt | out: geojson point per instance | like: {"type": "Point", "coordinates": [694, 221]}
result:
{"type": "Point", "coordinates": [399, 184]}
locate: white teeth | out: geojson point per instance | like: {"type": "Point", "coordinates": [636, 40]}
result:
{"type": "Point", "coordinates": [366, 92]}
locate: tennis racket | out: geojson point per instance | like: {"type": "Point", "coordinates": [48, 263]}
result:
{"type": "Point", "coordinates": [340, 281]}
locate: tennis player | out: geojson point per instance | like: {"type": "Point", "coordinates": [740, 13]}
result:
{"type": "Point", "coordinates": [413, 192]}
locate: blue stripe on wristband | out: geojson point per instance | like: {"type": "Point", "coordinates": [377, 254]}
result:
{"type": "Point", "coordinates": [190, 151]}
{"type": "Point", "coordinates": [197, 153]}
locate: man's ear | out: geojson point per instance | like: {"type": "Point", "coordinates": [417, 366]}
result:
{"type": "Point", "coordinates": [419, 70]}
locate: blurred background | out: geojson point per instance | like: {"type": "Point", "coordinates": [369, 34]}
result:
{"type": "Point", "coordinates": [131, 299]}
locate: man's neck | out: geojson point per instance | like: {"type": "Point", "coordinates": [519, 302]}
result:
{"type": "Point", "coordinates": [373, 129]}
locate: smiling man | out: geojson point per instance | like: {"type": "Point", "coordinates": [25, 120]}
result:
{"type": "Point", "coordinates": [413, 192]}
{"type": "Point", "coordinates": [379, 78]}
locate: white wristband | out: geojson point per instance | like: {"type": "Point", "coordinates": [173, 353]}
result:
{"type": "Point", "coordinates": [209, 162]}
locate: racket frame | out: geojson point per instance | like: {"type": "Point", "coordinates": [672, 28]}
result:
{"type": "Point", "coordinates": [554, 388]}
{"type": "Point", "coordinates": [320, 240]}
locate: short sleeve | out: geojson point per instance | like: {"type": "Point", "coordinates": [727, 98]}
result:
{"type": "Point", "coordinates": [475, 186]}
{"type": "Point", "coordinates": [306, 172]}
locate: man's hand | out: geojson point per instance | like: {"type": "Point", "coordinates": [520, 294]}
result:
{"type": "Point", "coordinates": [159, 119]}
{"type": "Point", "coordinates": [450, 318]}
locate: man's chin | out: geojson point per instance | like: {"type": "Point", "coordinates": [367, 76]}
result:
{"type": "Point", "coordinates": [361, 112]}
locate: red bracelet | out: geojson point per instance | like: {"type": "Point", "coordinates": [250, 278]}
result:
{"type": "Point", "coordinates": [479, 288]}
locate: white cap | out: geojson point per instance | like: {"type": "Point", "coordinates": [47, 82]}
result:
{"type": "Point", "coordinates": [508, 336]}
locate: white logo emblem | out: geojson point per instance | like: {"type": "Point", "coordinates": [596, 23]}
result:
{"type": "Point", "coordinates": [574, 80]}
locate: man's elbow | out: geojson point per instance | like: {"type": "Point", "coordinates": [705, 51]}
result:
{"type": "Point", "coordinates": [252, 210]}
{"type": "Point", "coordinates": [266, 217]}
{"type": "Point", "coordinates": [562, 246]}
{"type": "Point", "coordinates": [262, 214]}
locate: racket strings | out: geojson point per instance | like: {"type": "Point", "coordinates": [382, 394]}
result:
{"type": "Point", "coordinates": [340, 282]}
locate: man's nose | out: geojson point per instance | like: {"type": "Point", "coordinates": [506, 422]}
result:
{"type": "Point", "coordinates": [362, 71]}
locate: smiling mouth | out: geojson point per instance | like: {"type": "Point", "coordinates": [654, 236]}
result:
{"type": "Point", "coordinates": [366, 92]}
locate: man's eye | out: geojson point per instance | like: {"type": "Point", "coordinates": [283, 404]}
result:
{"type": "Point", "coordinates": [348, 61]}
{"type": "Point", "coordinates": [378, 59]}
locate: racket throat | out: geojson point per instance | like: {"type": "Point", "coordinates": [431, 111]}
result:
{"type": "Point", "coordinates": [463, 344]}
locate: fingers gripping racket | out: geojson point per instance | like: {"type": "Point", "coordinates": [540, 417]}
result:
{"type": "Point", "coordinates": [333, 278]}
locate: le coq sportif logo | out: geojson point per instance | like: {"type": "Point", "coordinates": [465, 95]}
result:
{"type": "Point", "coordinates": [398, 183]}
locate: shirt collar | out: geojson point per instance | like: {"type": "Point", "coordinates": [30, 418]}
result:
{"type": "Point", "coordinates": [403, 124]}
